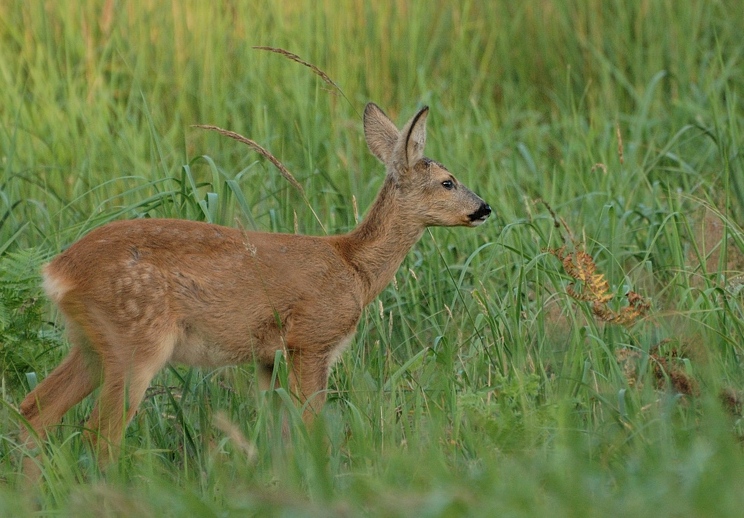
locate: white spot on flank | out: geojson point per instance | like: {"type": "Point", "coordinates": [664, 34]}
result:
{"type": "Point", "coordinates": [340, 348]}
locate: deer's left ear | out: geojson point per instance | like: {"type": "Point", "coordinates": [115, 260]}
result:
{"type": "Point", "coordinates": [414, 135]}
{"type": "Point", "coordinates": [380, 133]}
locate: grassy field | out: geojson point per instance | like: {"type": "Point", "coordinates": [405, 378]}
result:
{"type": "Point", "coordinates": [579, 355]}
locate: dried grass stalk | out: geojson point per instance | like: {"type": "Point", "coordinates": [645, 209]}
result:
{"type": "Point", "coordinates": [259, 149]}
{"type": "Point", "coordinates": [297, 59]}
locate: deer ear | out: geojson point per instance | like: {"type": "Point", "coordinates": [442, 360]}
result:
{"type": "Point", "coordinates": [414, 133]}
{"type": "Point", "coordinates": [380, 132]}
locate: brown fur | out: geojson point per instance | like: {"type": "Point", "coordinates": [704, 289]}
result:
{"type": "Point", "coordinates": [138, 294]}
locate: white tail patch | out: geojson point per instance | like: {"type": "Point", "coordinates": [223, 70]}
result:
{"type": "Point", "coordinates": [54, 287]}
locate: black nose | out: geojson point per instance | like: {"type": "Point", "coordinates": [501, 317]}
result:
{"type": "Point", "coordinates": [482, 213]}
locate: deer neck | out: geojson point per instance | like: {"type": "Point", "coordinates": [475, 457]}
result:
{"type": "Point", "coordinates": [377, 246]}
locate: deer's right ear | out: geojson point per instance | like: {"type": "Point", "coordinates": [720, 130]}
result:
{"type": "Point", "coordinates": [414, 137]}
{"type": "Point", "coordinates": [380, 132]}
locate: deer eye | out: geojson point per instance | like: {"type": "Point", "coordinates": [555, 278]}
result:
{"type": "Point", "coordinates": [448, 184]}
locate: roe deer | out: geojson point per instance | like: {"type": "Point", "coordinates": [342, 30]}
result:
{"type": "Point", "coordinates": [138, 294]}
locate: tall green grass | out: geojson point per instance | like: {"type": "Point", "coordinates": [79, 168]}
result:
{"type": "Point", "coordinates": [476, 384]}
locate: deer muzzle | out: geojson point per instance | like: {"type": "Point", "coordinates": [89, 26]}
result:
{"type": "Point", "coordinates": [480, 215]}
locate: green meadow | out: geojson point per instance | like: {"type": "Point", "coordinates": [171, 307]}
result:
{"type": "Point", "coordinates": [579, 354]}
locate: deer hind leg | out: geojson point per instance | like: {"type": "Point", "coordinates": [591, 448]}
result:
{"type": "Point", "coordinates": [125, 381]}
{"type": "Point", "coordinates": [76, 377]}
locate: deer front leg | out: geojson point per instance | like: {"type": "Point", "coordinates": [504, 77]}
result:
{"type": "Point", "coordinates": [308, 380]}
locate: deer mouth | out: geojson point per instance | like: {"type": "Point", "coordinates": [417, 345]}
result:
{"type": "Point", "coordinates": [480, 215]}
